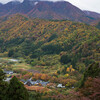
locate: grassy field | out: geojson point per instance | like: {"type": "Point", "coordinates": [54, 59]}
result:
{"type": "Point", "coordinates": [8, 63]}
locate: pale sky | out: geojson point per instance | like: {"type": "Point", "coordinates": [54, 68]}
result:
{"type": "Point", "coordinates": [92, 5]}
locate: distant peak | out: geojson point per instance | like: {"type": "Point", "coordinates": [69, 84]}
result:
{"type": "Point", "coordinates": [1, 3]}
{"type": "Point", "coordinates": [31, 0]}
{"type": "Point", "coordinates": [44, 0]}
{"type": "Point", "coordinates": [35, 3]}
{"type": "Point", "coordinates": [15, 2]}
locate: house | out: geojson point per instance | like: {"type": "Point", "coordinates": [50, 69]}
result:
{"type": "Point", "coordinates": [22, 80]}
{"type": "Point", "coordinates": [73, 87]}
{"type": "Point", "coordinates": [60, 86]}
{"type": "Point", "coordinates": [44, 83]}
{"type": "Point", "coordinates": [7, 79]}
{"type": "Point", "coordinates": [51, 85]}
{"type": "Point", "coordinates": [29, 82]}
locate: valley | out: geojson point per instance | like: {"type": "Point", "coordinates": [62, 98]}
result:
{"type": "Point", "coordinates": [53, 59]}
{"type": "Point", "coordinates": [25, 71]}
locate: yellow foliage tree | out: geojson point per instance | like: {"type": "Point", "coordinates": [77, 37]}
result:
{"type": "Point", "coordinates": [70, 69]}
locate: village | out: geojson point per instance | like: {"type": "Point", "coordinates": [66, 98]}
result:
{"type": "Point", "coordinates": [30, 82]}
{"type": "Point", "coordinates": [33, 79]}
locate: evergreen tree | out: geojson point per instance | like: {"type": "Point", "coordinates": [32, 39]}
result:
{"type": "Point", "coordinates": [10, 53]}
{"type": "Point", "coordinates": [65, 59]}
{"type": "Point", "coordinates": [16, 90]}
{"type": "Point", "coordinates": [92, 71]}
{"type": "Point", "coordinates": [3, 86]}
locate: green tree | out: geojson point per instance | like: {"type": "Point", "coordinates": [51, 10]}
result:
{"type": "Point", "coordinates": [53, 36]}
{"type": "Point", "coordinates": [3, 86]}
{"type": "Point", "coordinates": [80, 67]}
{"type": "Point", "coordinates": [35, 95]}
{"type": "Point", "coordinates": [16, 90]}
{"type": "Point", "coordinates": [92, 71]}
{"type": "Point", "coordinates": [65, 59]}
{"type": "Point", "coordinates": [51, 49]}
{"type": "Point", "coordinates": [98, 25]}
{"type": "Point", "coordinates": [10, 53]}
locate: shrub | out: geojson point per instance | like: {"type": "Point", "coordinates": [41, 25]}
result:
{"type": "Point", "coordinates": [65, 59]}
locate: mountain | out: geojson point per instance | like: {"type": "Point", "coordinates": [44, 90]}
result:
{"type": "Point", "coordinates": [92, 14]}
{"type": "Point", "coordinates": [60, 10]}
{"type": "Point", "coordinates": [7, 9]}
{"type": "Point", "coordinates": [1, 4]}
{"type": "Point", "coordinates": [23, 36]}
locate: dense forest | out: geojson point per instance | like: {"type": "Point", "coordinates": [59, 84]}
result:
{"type": "Point", "coordinates": [75, 42]}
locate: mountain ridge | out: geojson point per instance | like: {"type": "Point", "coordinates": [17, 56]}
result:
{"type": "Point", "coordinates": [92, 14]}
{"type": "Point", "coordinates": [46, 10]}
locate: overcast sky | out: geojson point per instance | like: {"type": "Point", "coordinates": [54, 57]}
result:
{"type": "Point", "coordinates": [92, 5]}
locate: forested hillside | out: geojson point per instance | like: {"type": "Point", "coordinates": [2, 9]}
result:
{"type": "Point", "coordinates": [74, 42]}
{"type": "Point", "coordinates": [98, 25]}
{"type": "Point", "coordinates": [63, 55]}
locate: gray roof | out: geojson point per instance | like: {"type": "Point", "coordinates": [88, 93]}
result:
{"type": "Point", "coordinates": [36, 82]}
{"type": "Point", "coordinates": [7, 79]}
{"type": "Point", "coordinates": [22, 80]}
